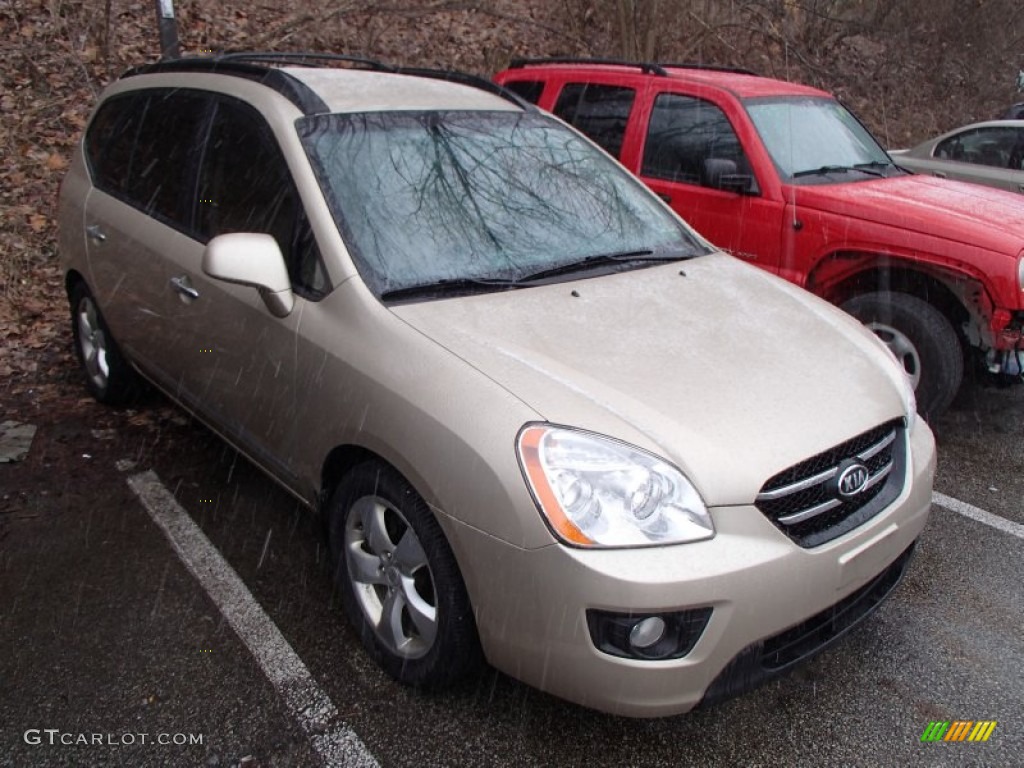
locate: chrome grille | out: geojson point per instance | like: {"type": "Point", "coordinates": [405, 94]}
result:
{"type": "Point", "coordinates": [804, 501]}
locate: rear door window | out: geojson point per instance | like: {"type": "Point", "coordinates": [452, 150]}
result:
{"type": "Point", "coordinates": [166, 152]}
{"type": "Point", "coordinates": [599, 111]}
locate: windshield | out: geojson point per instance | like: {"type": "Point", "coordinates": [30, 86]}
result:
{"type": "Point", "coordinates": [493, 197]}
{"type": "Point", "coordinates": [809, 136]}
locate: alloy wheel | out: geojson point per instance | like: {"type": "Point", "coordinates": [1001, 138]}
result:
{"type": "Point", "coordinates": [391, 577]}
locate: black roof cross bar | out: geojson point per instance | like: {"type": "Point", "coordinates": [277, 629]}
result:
{"type": "Point", "coordinates": [644, 66]}
{"type": "Point", "coordinates": [709, 67]}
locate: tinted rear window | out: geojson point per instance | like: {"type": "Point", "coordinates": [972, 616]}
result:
{"type": "Point", "coordinates": [599, 111]}
{"type": "Point", "coordinates": [143, 148]}
{"type": "Point", "coordinates": [110, 140]}
{"type": "Point", "coordinates": [166, 151]}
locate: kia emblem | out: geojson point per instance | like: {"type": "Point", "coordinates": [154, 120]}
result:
{"type": "Point", "coordinates": [852, 479]}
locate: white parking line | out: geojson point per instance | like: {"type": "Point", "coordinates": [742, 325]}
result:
{"type": "Point", "coordinates": [976, 513]}
{"type": "Point", "coordinates": [334, 741]}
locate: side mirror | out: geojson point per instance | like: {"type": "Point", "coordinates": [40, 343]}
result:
{"type": "Point", "coordinates": [720, 173]}
{"type": "Point", "coordinates": [247, 258]}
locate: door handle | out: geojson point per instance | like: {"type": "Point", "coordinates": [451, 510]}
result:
{"type": "Point", "coordinates": [666, 197]}
{"type": "Point", "coordinates": [183, 286]}
{"type": "Point", "coordinates": [939, 174]}
{"type": "Point", "coordinates": [95, 233]}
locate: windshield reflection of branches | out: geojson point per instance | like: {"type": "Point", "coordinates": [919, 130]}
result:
{"type": "Point", "coordinates": [446, 196]}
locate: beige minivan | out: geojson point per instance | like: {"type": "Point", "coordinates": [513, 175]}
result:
{"type": "Point", "coordinates": [548, 425]}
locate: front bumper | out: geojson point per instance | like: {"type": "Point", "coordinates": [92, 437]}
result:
{"type": "Point", "coordinates": [531, 604]}
{"type": "Point", "coordinates": [773, 656]}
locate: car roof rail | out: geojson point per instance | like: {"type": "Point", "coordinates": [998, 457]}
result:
{"type": "Point", "coordinates": [709, 67]}
{"type": "Point", "coordinates": [304, 58]}
{"type": "Point", "coordinates": [259, 66]}
{"type": "Point", "coordinates": [646, 67]}
{"type": "Point", "coordinates": [297, 92]}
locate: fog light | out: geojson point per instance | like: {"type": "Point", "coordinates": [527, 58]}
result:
{"type": "Point", "coordinates": [647, 636]}
{"type": "Point", "coordinates": [647, 632]}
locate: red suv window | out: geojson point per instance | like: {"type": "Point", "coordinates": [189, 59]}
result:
{"type": "Point", "coordinates": [530, 90]}
{"type": "Point", "coordinates": [599, 111]}
{"type": "Point", "coordinates": [687, 138]}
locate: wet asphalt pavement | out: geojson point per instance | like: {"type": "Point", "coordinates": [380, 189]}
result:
{"type": "Point", "coordinates": [105, 634]}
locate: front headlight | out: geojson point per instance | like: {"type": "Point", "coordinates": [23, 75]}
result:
{"type": "Point", "coordinates": [598, 492]}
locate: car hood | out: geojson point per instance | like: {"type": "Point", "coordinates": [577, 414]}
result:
{"type": "Point", "coordinates": [719, 367]}
{"type": "Point", "coordinates": [954, 210]}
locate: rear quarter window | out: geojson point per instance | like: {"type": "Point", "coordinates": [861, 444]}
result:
{"type": "Point", "coordinates": [110, 139]}
{"type": "Point", "coordinates": [529, 90]}
{"type": "Point", "coordinates": [143, 148]}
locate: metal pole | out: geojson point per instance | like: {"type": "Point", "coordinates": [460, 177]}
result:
{"type": "Point", "coordinates": [168, 27]}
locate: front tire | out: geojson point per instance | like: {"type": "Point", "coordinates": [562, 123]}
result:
{"type": "Point", "coordinates": [923, 341]}
{"type": "Point", "coordinates": [399, 582]}
{"type": "Point", "coordinates": [108, 376]}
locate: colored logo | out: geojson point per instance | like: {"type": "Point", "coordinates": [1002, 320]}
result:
{"type": "Point", "coordinates": [959, 730]}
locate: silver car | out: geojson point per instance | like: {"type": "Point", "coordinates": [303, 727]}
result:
{"type": "Point", "coordinates": [990, 153]}
{"type": "Point", "coordinates": [548, 425]}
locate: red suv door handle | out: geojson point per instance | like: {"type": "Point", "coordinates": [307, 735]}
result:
{"type": "Point", "coordinates": [666, 197]}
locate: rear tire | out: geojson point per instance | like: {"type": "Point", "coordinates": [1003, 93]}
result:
{"type": "Point", "coordinates": [399, 582]}
{"type": "Point", "coordinates": [923, 341]}
{"type": "Point", "coordinates": [108, 376]}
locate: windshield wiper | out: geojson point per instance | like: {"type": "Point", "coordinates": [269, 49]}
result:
{"type": "Point", "coordinates": [463, 285]}
{"type": "Point", "coordinates": [601, 259]}
{"type": "Point", "coordinates": [456, 286]}
{"type": "Point", "coordinates": [868, 168]}
{"type": "Point", "coordinates": [873, 164]}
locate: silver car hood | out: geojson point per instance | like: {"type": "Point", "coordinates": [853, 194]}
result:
{"type": "Point", "coordinates": [723, 369]}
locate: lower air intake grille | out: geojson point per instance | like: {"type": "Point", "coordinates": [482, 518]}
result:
{"type": "Point", "coordinates": [834, 492]}
{"type": "Point", "coordinates": [773, 656]}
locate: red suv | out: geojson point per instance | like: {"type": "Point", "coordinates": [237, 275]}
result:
{"type": "Point", "coordinates": [783, 176]}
